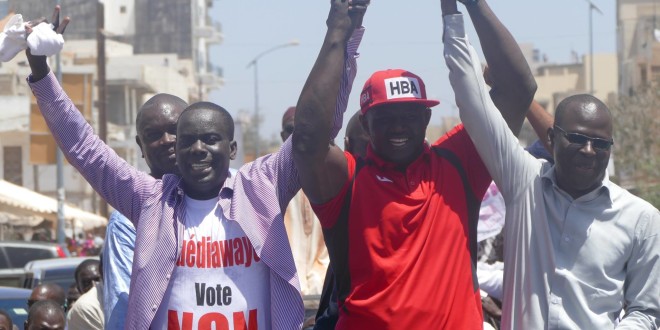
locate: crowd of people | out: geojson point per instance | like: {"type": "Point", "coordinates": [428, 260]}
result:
{"type": "Point", "coordinates": [50, 307]}
{"type": "Point", "coordinates": [388, 230]}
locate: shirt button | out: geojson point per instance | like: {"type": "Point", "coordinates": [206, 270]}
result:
{"type": "Point", "coordinates": [567, 239]}
{"type": "Point", "coordinates": [555, 300]}
{"type": "Point", "coordinates": [168, 276]}
{"type": "Point", "coordinates": [412, 183]}
{"type": "Point", "coordinates": [154, 308]}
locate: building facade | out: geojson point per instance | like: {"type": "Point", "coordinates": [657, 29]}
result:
{"type": "Point", "coordinates": [638, 25]}
{"type": "Point", "coordinates": [179, 66]}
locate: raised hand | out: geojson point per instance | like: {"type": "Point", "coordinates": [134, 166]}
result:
{"type": "Point", "coordinates": [356, 10]}
{"type": "Point", "coordinates": [39, 64]}
{"type": "Point", "coordinates": [346, 15]}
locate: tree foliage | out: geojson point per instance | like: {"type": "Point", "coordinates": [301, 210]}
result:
{"type": "Point", "coordinates": [637, 142]}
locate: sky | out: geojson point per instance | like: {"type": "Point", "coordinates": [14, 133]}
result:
{"type": "Point", "coordinates": [399, 34]}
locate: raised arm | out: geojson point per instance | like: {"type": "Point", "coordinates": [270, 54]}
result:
{"type": "Point", "coordinates": [496, 144]}
{"type": "Point", "coordinates": [106, 172]}
{"type": "Point", "coordinates": [513, 85]}
{"type": "Point", "coordinates": [541, 121]}
{"type": "Point", "coordinates": [322, 165]}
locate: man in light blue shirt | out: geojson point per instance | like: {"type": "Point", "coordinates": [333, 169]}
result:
{"type": "Point", "coordinates": [156, 136]}
{"type": "Point", "coordinates": [579, 249]}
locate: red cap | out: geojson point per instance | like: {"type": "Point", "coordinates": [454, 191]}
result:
{"type": "Point", "coordinates": [394, 86]}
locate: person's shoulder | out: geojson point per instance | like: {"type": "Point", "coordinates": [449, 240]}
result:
{"type": "Point", "coordinates": [170, 180]}
{"type": "Point", "coordinates": [117, 218]}
{"type": "Point", "coordinates": [87, 299]}
{"type": "Point", "coordinates": [119, 223]}
{"type": "Point", "coordinates": [630, 202]}
{"type": "Point", "coordinates": [457, 132]}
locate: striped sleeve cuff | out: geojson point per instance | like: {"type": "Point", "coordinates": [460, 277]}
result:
{"type": "Point", "coordinates": [354, 41]}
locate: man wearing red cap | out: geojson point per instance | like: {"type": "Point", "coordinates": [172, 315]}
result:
{"type": "Point", "coordinates": [400, 225]}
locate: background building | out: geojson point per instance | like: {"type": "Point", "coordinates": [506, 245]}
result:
{"type": "Point", "coordinates": [638, 41]}
{"type": "Point", "coordinates": [169, 54]}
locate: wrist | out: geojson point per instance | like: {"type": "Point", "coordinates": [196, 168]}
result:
{"type": "Point", "coordinates": [449, 8]}
{"type": "Point", "coordinates": [339, 35]}
{"type": "Point", "coordinates": [39, 71]}
{"type": "Point", "coordinates": [38, 66]}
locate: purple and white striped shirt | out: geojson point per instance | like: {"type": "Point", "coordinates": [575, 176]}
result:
{"type": "Point", "coordinates": [255, 198]}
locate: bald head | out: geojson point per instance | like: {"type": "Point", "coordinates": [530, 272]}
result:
{"type": "Point", "coordinates": [226, 122]}
{"type": "Point", "coordinates": [48, 291]}
{"type": "Point", "coordinates": [162, 103]}
{"type": "Point", "coordinates": [579, 139]}
{"type": "Point", "coordinates": [45, 314]}
{"type": "Point", "coordinates": [287, 123]}
{"type": "Point", "coordinates": [581, 105]}
{"type": "Point", "coordinates": [5, 321]}
{"type": "Point", "coordinates": [156, 132]}
{"type": "Point", "coordinates": [86, 274]}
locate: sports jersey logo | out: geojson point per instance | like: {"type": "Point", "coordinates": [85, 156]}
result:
{"type": "Point", "coordinates": [383, 179]}
{"type": "Point", "coordinates": [402, 87]}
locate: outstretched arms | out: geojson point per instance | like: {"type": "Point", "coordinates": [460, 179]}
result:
{"type": "Point", "coordinates": [512, 82]}
{"type": "Point", "coordinates": [321, 165]}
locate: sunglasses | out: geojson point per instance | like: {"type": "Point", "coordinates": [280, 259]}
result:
{"type": "Point", "coordinates": [581, 139]}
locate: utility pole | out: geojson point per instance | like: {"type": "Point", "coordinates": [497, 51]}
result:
{"type": "Point", "coordinates": [101, 84]}
{"type": "Point", "coordinates": [592, 7]}
{"type": "Point", "coordinates": [255, 63]}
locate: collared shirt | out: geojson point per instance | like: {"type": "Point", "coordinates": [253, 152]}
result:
{"type": "Point", "coordinates": [569, 263]}
{"type": "Point", "coordinates": [255, 198]}
{"type": "Point", "coordinates": [117, 265]}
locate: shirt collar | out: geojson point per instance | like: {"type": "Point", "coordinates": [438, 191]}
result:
{"type": "Point", "coordinates": [227, 190]}
{"type": "Point", "coordinates": [549, 177]}
{"type": "Point", "coordinates": [379, 162]}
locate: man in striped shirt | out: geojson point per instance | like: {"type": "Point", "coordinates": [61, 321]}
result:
{"type": "Point", "coordinates": [211, 247]}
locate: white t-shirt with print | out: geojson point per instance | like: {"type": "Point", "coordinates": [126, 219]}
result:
{"type": "Point", "coordinates": [219, 282]}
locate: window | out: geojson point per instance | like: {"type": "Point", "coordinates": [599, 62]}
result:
{"type": "Point", "coordinates": [19, 256]}
{"type": "Point", "coordinates": [655, 73]}
{"type": "Point", "coordinates": [643, 74]}
{"type": "Point", "coordinates": [3, 260]}
{"type": "Point", "coordinates": [13, 169]}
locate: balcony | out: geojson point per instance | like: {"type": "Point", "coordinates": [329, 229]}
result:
{"type": "Point", "coordinates": [211, 31]}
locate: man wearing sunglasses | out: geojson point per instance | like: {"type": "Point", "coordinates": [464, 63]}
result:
{"type": "Point", "coordinates": [579, 249]}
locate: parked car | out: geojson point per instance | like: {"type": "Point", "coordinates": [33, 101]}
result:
{"type": "Point", "coordinates": [15, 254]}
{"type": "Point", "coordinates": [59, 270]}
{"type": "Point", "coordinates": [13, 277]}
{"type": "Point", "coordinates": [14, 302]}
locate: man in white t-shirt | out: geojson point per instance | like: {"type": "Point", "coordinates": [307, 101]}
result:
{"type": "Point", "coordinates": [240, 280]}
